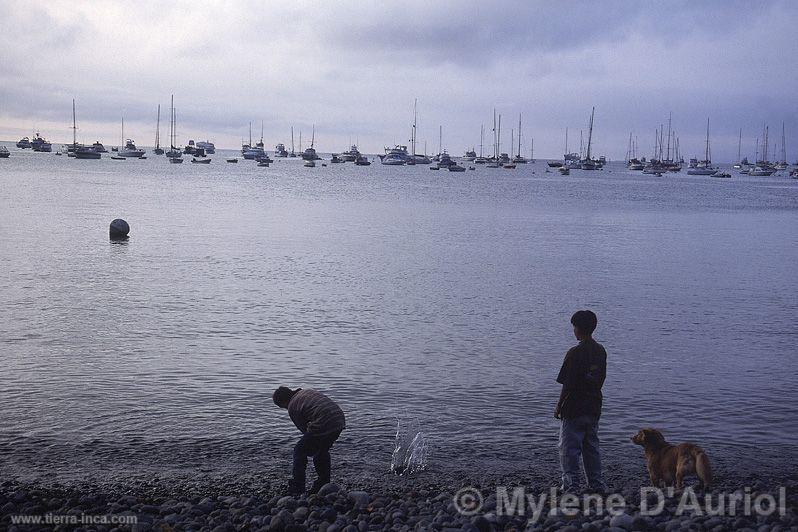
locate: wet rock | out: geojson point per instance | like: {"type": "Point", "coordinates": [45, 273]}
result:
{"type": "Point", "coordinates": [481, 523]}
{"type": "Point", "coordinates": [623, 521]}
{"type": "Point", "coordinates": [329, 489]}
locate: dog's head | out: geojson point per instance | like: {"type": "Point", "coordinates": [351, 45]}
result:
{"type": "Point", "coordinates": [648, 438]}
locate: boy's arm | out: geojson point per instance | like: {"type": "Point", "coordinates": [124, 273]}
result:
{"type": "Point", "coordinates": [559, 403]}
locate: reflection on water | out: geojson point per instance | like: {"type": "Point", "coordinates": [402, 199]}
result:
{"type": "Point", "coordinates": [444, 295]}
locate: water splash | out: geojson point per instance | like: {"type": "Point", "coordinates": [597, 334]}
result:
{"type": "Point", "coordinates": [410, 449]}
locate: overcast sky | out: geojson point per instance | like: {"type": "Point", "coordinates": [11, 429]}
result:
{"type": "Point", "coordinates": [354, 68]}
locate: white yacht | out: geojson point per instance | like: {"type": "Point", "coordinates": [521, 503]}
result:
{"type": "Point", "coordinates": [130, 150]}
{"type": "Point", "coordinates": [396, 156]}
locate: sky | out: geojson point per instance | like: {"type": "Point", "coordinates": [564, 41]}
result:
{"type": "Point", "coordinates": [354, 70]}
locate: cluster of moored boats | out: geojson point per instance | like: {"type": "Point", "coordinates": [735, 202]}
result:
{"type": "Point", "coordinates": [665, 159]}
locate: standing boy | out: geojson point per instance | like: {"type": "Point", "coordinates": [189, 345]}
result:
{"type": "Point", "coordinates": [582, 376]}
{"type": "Point", "coordinates": [320, 420]}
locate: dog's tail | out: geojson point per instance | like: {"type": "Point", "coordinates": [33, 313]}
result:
{"type": "Point", "coordinates": [702, 467]}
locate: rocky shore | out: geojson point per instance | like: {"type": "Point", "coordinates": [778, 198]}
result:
{"type": "Point", "coordinates": [221, 505]}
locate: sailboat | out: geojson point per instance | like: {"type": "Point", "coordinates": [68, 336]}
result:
{"type": "Point", "coordinates": [782, 163]}
{"type": "Point", "coordinates": [175, 154]}
{"type": "Point", "coordinates": [481, 159]}
{"type": "Point", "coordinates": [129, 150]}
{"type": "Point", "coordinates": [80, 151]}
{"type": "Point", "coordinates": [416, 158]}
{"type": "Point", "coordinates": [518, 159]}
{"type": "Point", "coordinates": [588, 163]}
{"type": "Point", "coordinates": [704, 167]}
{"type": "Point", "coordinates": [293, 153]}
{"type": "Point", "coordinates": [158, 150]}
{"type": "Point", "coordinates": [494, 161]}
{"type": "Point", "coordinates": [741, 163]}
{"type": "Point", "coordinates": [310, 153]}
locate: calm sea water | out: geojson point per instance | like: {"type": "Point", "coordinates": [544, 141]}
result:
{"type": "Point", "coordinates": [435, 296]}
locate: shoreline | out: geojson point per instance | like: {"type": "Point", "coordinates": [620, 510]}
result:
{"type": "Point", "coordinates": [358, 503]}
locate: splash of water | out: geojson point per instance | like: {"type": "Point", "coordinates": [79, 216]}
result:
{"type": "Point", "coordinates": [410, 449]}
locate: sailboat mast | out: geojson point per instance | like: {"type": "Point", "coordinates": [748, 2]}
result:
{"type": "Point", "coordinates": [292, 140]}
{"type": "Point", "coordinates": [668, 156]}
{"type": "Point", "coordinates": [415, 123]}
{"type": "Point", "coordinates": [519, 134]}
{"type": "Point", "coordinates": [512, 142]}
{"type": "Point", "coordinates": [158, 128]}
{"type": "Point", "coordinates": [440, 140]}
{"type": "Point", "coordinates": [739, 145]}
{"type": "Point", "coordinates": [590, 133]}
{"type": "Point", "coordinates": [74, 126]}
{"type": "Point", "coordinates": [495, 153]}
{"type": "Point", "coordinates": [566, 141]}
{"type": "Point", "coordinates": [499, 137]}
{"type": "Point", "coordinates": [707, 152]}
{"type": "Point", "coordinates": [481, 138]}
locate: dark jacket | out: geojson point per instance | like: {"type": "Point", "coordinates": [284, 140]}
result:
{"type": "Point", "coordinates": [582, 376]}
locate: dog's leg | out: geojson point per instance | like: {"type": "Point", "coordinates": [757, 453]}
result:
{"type": "Point", "coordinates": [680, 470]}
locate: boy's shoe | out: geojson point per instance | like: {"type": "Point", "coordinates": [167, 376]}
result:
{"type": "Point", "coordinates": [316, 487]}
{"type": "Point", "coordinates": [293, 489]}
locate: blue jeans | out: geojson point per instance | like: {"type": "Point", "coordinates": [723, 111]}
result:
{"type": "Point", "coordinates": [319, 448]}
{"type": "Point", "coordinates": [579, 437]}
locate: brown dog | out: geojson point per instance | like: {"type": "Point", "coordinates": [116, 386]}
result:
{"type": "Point", "coordinates": [668, 464]}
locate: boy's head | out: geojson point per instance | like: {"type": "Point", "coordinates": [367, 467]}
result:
{"type": "Point", "coordinates": [282, 396]}
{"type": "Point", "coordinates": [584, 322]}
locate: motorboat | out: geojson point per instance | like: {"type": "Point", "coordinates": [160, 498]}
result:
{"type": "Point", "coordinates": [481, 160]}
{"type": "Point", "coordinates": [351, 155]}
{"type": "Point", "coordinates": [509, 166]}
{"type": "Point", "coordinates": [721, 174]}
{"type": "Point", "coordinates": [396, 156]}
{"type": "Point", "coordinates": [118, 158]}
{"type": "Point", "coordinates": [456, 168]}
{"type": "Point", "coordinates": [310, 163]}
{"type": "Point", "coordinates": [208, 146]}
{"type": "Point", "coordinates": [130, 150]}
{"type": "Point", "coordinates": [554, 164]}
{"type": "Point", "coordinates": [264, 159]}
{"type": "Point", "coordinates": [177, 159]}
{"type": "Point", "coordinates": [762, 171]}
{"type": "Point", "coordinates": [418, 159]}
{"type": "Point", "coordinates": [336, 159]}
{"type": "Point", "coordinates": [24, 143]}
{"type": "Point", "coordinates": [362, 161]}
{"type": "Point", "coordinates": [87, 152]}
{"type": "Point", "coordinates": [98, 147]}
{"type": "Point", "coordinates": [280, 151]}
{"type": "Point", "coordinates": [39, 143]}
{"type": "Point", "coordinates": [201, 160]}
{"type": "Point", "coordinates": [4, 153]}
{"type": "Point", "coordinates": [253, 153]}
{"type": "Point", "coordinates": [445, 160]}
{"type": "Point", "coordinates": [564, 170]}
{"type": "Point", "coordinates": [263, 163]}
{"type": "Point", "coordinates": [470, 155]}
{"type": "Point", "coordinates": [232, 160]}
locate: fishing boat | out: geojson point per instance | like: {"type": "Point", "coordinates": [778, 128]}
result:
{"type": "Point", "coordinates": [703, 167]}
{"type": "Point", "coordinates": [24, 143]}
{"type": "Point", "coordinates": [280, 151]}
{"type": "Point", "coordinates": [4, 153]}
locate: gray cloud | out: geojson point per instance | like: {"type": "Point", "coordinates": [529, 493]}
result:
{"type": "Point", "coordinates": [354, 68]}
